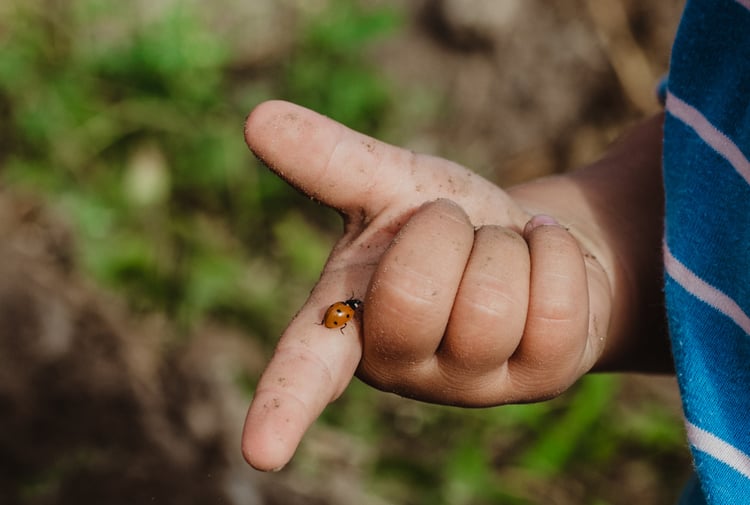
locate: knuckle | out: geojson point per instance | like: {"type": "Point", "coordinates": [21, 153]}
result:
{"type": "Point", "coordinates": [532, 384]}
{"type": "Point", "coordinates": [559, 312]}
{"type": "Point", "coordinates": [492, 300]}
{"type": "Point", "coordinates": [399, 378]}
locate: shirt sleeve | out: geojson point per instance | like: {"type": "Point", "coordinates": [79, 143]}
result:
{"type": "Point", "coordinates": [707, 241]}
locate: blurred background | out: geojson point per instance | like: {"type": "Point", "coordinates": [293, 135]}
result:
{"type": "Point", "coordinates": [148, 262]}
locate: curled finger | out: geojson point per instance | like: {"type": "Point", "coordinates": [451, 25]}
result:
{"type": "Point", "coordinates": [548, 357]}
{"type": "Point", "coordinates": [412, 292]}
{"type": "Point", "coordinates": [489, 312]}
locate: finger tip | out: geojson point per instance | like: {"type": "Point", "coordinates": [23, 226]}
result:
{"type": "Point", "coordinates": [268, 443]}
{"type": "Point", "coordinates": [257, 119]}
{"type": "Point", "coordinates": [263, 450]}
{"type": "Point", "coordinates": [538, 221]}
{"type": "Point", "coordinates": [262, 460]}
{"type": "Point", "coordinates": [447, 207]}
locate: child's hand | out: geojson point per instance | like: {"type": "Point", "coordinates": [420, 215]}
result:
{"type": "Point", "coordinates": [469, 299]}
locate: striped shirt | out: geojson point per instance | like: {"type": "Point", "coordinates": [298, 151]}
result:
{"type": "Point", "coordinates": [707, 242]}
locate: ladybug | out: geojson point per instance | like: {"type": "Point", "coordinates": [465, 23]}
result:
{"type": "Point", "coordinates": [340, 313]}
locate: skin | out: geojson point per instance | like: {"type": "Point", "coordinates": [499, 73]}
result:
{"type": "Point", "coordinates": [473, 296]}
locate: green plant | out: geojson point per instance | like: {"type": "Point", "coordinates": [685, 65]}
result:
{"type": "Point", "coordinates": [123, 120]}
{"type": "Point", "coordinates": [329, 72]}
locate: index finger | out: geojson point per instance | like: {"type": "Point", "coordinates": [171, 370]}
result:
{"type": "Point", "coordinates": [311, 367]}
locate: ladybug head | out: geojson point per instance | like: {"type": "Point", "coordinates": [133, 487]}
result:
{"type": "Point", "coordinates": [354, 303]}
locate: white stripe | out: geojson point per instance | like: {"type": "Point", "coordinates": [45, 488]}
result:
{"type": "Point", "coordinates": [744, 3]}
{"type": "Point", "coordinates": [704, 291]}
{"type": "Point", "coordinates": [718, 141]}
{"type": "Point", "coordinates": [717, 448]}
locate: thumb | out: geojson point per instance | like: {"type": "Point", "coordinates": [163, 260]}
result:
{"type": "Point", "coordinates": [324, 159]}
{"type": "Point", "coordinates": [362, 177]}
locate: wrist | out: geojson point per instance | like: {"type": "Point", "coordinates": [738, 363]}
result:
{"type": "Point", "coordinates": [614, 208]}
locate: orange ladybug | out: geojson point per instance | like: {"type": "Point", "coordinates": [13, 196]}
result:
{"type": "Point", "coordinates": [340, 313]}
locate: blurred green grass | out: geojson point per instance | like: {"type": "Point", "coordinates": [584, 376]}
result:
{"type": "Point", "coordinates": [134, 132]}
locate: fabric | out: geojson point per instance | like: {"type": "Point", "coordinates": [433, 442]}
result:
{"type": "Point", "coordinates": [707, 242]}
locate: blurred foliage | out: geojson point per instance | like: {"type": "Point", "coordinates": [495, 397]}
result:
{"type": "Point", "coordinates": [125, 119]}
{"type": "Point", "coordinates": [131, 126]}
{"type": "Point", "coordinates": [328, 70]}
{"type": "Point", "coordinates": [511, 455]}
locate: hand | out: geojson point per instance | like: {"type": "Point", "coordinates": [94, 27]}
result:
{"type": "Point", "coordinates": [468, 299]}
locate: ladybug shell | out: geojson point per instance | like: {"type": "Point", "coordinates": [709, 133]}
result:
{"type": "Point", "coordinates": [341, 313]}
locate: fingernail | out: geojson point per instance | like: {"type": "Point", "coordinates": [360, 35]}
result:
{"type": "Point", "coordinates": [539, 220]}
